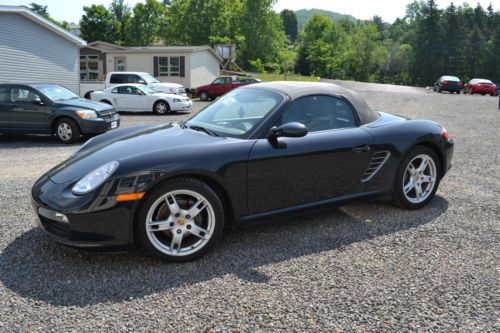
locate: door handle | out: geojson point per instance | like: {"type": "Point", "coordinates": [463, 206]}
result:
{"type": "Point", "coordinates": [361, 149]}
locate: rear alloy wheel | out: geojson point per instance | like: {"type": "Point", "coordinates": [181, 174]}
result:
{"type": "Point", "coordinates": [161, 107]}
{"type": "Point", "coordinates": [67, 130]}
{"type": "Point", "coordinates": [204, 96]}
{"type": "Point", "coordinates": [417, 179]}
{"type": "Point", "coordinates": [180, 220]}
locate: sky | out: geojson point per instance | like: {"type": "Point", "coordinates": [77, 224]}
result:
{"type": "Point", "coordinates": [389, 10]}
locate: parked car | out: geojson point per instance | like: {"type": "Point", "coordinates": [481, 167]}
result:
{"type": "Point", "coordinates": [52, 109]}
{"type": "Point", "coordinates": [115, 78]}
{"type": "Point", "coordinates": [250, 80]}
{"type": "Point", "coordinates": [257, 152]}
{"type": "Point", "coordinates": [480, 86]}
{"type": "Point", "coordinates": [448, 83]}
{"type": "Point", "coordinates": [140, 98]}
{"type": "Point", "coordinates": [220, 86]}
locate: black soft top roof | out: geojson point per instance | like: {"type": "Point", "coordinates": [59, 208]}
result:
{"type": "Point", "coordinates": [296, 90]}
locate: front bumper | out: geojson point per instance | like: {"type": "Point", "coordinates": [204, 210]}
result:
{"type": "Point", "coordinates": [182, 106]}
{"type": "Point", "coordinates": [99, 125]}
{"type": "Point", "coordinates": [449, 147]}
{"type": "Point", "coordinates": [88, 221]}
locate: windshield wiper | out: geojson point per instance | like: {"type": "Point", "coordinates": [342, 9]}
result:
{"type": "Point", "coordinates": [202, 129]}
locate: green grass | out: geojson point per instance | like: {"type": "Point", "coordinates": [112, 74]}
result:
{"type": "Point", "coordinates": [289, 77]}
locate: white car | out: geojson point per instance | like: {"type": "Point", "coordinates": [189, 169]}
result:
{"type": "Point", "coordinates": [140, 98]}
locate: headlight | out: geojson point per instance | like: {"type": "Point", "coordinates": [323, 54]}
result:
{"type": "Point", "coordinates": [86, 114]}
{"type": "Point", "coordinates": [178, 100]}
{"type": "Point", "coordinates": [95, 178]}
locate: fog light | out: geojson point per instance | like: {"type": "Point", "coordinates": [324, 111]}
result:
{"type": "Point", "coordinates": [51, 215]}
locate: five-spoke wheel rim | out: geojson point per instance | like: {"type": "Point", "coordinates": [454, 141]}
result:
{"type": "Point", "coordinates": [419, 179]}
{"type": "Point", "coordinates": [180, 222]}
{"type": "Point", "coordinates": [161, 107]}
{"type": "Point", "coordinates": [64, 131]}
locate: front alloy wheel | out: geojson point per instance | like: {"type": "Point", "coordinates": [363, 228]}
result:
{"type": "Point", "coordinates": [161, 107]}
{"type": "Point", "coordinates": [67, 131]}
{"type": "Point", "coordinates": [180, 220]}
{"type": "Point", "coordinates": [417, 179]}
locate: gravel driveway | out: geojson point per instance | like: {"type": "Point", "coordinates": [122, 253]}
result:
{"type": "Point", "coordinates": [363, 267]}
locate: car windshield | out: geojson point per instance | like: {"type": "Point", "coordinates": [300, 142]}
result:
{"type": "Point", "coordinates": [149, 79]}
{"type": "Point", "coordinates": [484, 81]}
{"type": "Point", "coordinates": [237, 113]}
{"type": "Point", "coordinates": [451, 78]}
{"type": "Point", "coordinates": [55, 92]}
{"type": "Point", "coordinates": [146, 90]}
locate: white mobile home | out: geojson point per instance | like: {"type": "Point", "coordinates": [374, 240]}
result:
{"type": "Point", "coordinates": [190, 66]}
{"type": "Point", "coordinates": [33, 49]}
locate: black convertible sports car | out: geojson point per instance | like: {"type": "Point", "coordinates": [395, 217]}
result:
{"type": "Point", "coordinates": [258, 151]}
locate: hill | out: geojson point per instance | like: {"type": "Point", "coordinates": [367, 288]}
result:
{"type": "Point", "coordinates": [305, 14]}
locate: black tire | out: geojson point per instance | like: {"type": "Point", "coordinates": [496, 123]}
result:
{"type": "Point", "coordinates": [67, 130]}
{"type": "Point", "coordinates": [204, 96]}
{"type": "Point", "coordinates": [155, 195]}
{"type": "Point", "coordinates": [161, 108]}
{"type": "Point", "coordinates": [87, 95]}
{"type": "Point", "coordinates": [106, 102]}
{"type": "Point", "coordinates": [399, 197]}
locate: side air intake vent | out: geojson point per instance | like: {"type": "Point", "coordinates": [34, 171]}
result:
{"type": "Point", "coordinates": [377, 161]}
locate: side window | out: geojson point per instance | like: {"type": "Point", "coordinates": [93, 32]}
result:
{"type": "Point", "coordinates": [23, 95]}
{"type": "Point", "coordinates": [319, 113]}
{"type": "Point", "coordinates": [116, 78]}
{"type": "Point", "coordinates": [124, 90]}
{"type": "Point", "coordinates": [114, 91]}
{"type": "Point", "coordinates": [132, 78]}
{"type": "Point", "coordinates": [220, 80]}
{"type": "Point", "coordinates": [135, 91]}
{"type": "Point", "coordinates": [3, 95]}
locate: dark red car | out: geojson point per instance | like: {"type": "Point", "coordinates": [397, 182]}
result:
{"type": "Point", "coordinates": [222, 85]}
{"type": "Point", "coordinates": [480, 86]}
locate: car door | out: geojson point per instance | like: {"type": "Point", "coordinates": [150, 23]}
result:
{"type": "Point", "coordinates": [328, 162]}
{"type": "Point", "coordinates": [28, 110]}
{"type": "Point", "coordinates": [4, 109]}
{"type": "Point", "coordinates": [217, 87]}
{"type": "Point", "coordinates": [127, 98]}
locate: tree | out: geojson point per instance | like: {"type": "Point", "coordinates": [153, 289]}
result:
{"type": "Point", "coordinates": [122, 15]}
{"type": "Point", "coordinates": [262, 31]}
{"type": "Point", "coordinates": [97, 23]}
{"type": "Point", "coordinates": [147, 22]}
{"type": "Point", "coordinates": [428, 45]}
{"type": "Point", "coordinates": [290, 23]}
{"type": "Point", "coordinates": [43, 11]}
{"type": "Point", "coordinates": [39, 9]}
{"type": "Point", "coordinates": [453, 53]}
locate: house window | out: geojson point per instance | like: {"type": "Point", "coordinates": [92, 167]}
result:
{"type": "Point", "coordinates": [89, 68]}
{"type": "Point", "coordinates": [169, 66]}
{"type": "Point", "coordinates": [120, 64]}
{"type": "Point", "coordinates": [163, 66]}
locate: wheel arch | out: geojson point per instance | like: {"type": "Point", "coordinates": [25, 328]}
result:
{"type": "Point", "coordinates": [214, 184]}
{"type": "Point", "coordinates": [59, 117]}
{"type": "Point", "coordinates": [435, 148]}
{"type": "Point", "coordinates": [107, 101]}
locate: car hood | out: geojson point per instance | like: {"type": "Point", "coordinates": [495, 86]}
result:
{"type": "Point", "coordinates": [168, 87]}
{"type": "Point", "coordinates": [85, 104]}
{"type": "Point", "coordinates": [156, 140]}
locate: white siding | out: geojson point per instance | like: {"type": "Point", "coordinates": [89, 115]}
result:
{"type": "Point", "coordinates": [204, 68]}
{"type": "Point", "coordinates": [31, 53]}
{"type": "Point", "coordinates": [143, 62]}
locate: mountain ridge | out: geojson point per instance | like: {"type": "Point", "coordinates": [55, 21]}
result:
{"type": "Point", "coordinates": [304, 14]}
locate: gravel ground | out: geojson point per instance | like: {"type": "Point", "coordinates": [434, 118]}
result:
{"type": "Point", "coordinates": [364, 267]}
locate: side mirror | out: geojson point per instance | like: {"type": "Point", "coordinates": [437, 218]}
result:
{"type": "Point", "coordinates": [37, 101]}
{"type": "Point", "coordinates": [289, 130]}
{"type": "Point", "coordinates": [141, 82]}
